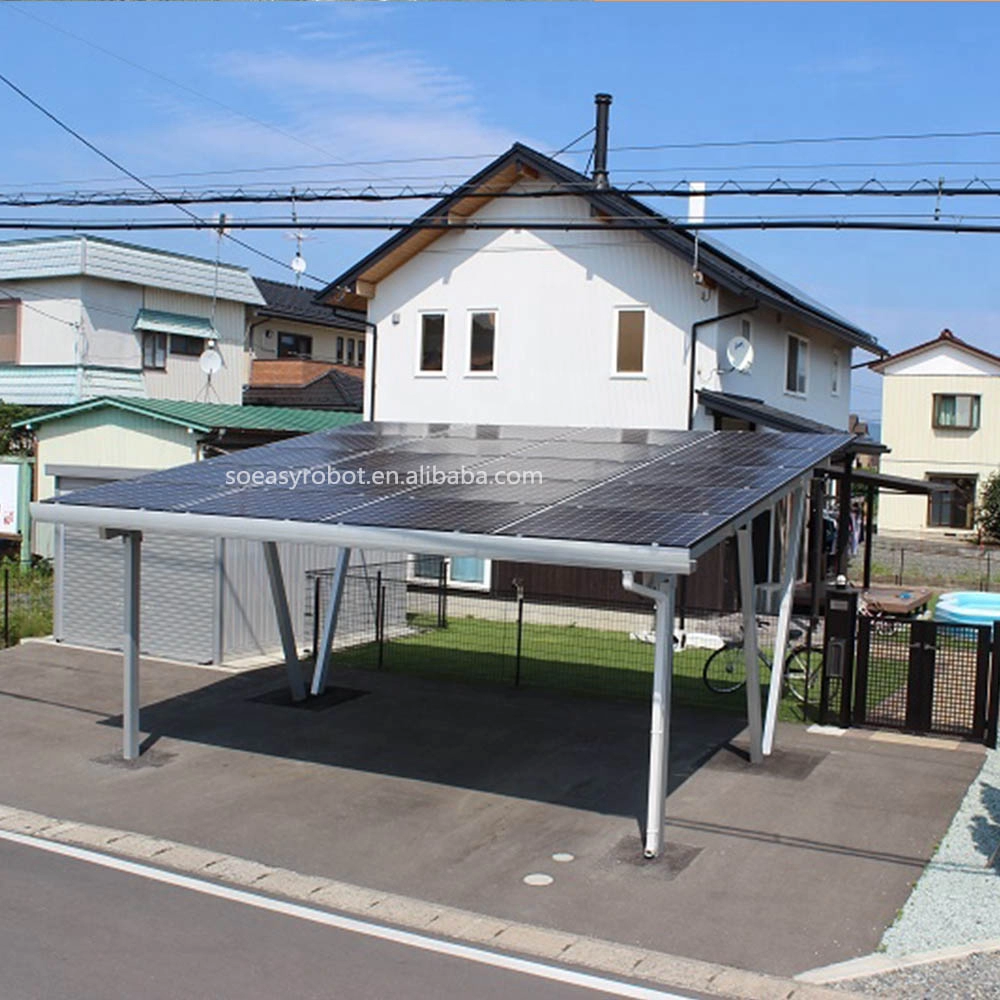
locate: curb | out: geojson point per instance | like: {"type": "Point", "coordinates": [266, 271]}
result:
{"type": "Point", "coordinates": [592, 954]}
{"type": "Point", "coordinates": [880, 964]}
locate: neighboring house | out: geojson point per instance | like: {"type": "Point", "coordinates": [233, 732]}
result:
{"type": "Point", "coordinates": [104, 440]}
{"type": "Point", "coordinates": [315, 385]}
{"type": "Point", "coordinates": [291, 324]}
{"type": "Point", "coordinates": [82, 317]}
{"type": "Point", "coordinates": [537, 325]}
{"type": "Point", "coordinates": [940, 413]}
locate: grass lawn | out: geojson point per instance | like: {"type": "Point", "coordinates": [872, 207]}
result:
{"type": "Point", "coordinates": [30, 594]}
{"type": "Point", "coordinates": [556, 657]}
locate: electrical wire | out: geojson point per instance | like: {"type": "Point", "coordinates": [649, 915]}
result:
{"type": "Point", "coordinates": [149, 187]}
{"type": "Point", "coordinates": [11, 296]}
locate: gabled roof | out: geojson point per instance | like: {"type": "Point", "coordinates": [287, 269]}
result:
{"type": "Point", "coordinates": [945, 337]}
{"type": "Point", "coordinates": [206, 417]}
{"type": "Point", "coordinates": [722, 265]}
{"type": "Point", "coordinates": [61, 256]}
{"type": "Point", "coordinates": [285, 301]}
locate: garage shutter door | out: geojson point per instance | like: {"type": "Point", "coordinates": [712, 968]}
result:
{"type": "Point", "coordinates": [177, 594]}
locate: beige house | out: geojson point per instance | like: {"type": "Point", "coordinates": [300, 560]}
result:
{"type": "Point", "coordinates": [941, 420]}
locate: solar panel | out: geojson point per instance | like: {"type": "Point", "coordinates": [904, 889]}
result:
{"type": "Point", "coordinates": [629, 486]}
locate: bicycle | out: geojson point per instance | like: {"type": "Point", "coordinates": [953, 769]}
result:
{"type": "Point", "coordinates": [725, 670]}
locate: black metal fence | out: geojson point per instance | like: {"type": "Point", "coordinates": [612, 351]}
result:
{"type": "Point", "coordinates": [390, 621]}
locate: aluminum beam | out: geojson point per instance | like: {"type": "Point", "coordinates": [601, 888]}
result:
{"type": "Point", "coordinates": [285, 628]}
{"type": "Point", "coordinates": [784, 616]}
{"type": "Point", "coordinates": [322, 653]}
{"type": "Point", "coordinates": [744, 543]}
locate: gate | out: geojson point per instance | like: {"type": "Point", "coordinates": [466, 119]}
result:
{"type": "Point", "coordinates": [926, 677]}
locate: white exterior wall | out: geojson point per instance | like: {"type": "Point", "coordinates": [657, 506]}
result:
{"type": "Point", "coordinates": [766, 378]}
{"type": "Point", "coordinates": [556, 296]}
{"type": "Point", "coordinates": [917, 447]}
{"type": "Point", "coordinates": [108, 438]}
{"type": "Point", "coordinates": [51, 314]}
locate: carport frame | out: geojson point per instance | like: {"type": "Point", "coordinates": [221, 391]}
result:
{"type": "Point", "coordinates": [664, 563]}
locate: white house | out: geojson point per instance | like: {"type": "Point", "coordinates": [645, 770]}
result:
{"type": "Point", "coordinates": [941, 421]}
{"type": "Point", "coordinates": [521, 321]}
{"type": "Point", "coordinates": [82, 317]}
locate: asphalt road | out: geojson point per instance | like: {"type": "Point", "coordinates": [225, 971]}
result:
{"type": "Point", "coordinates": [73, 929]}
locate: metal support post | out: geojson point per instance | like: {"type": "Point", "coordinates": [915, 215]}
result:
{"type": "Point", "coordinates": [322, 655]}
{"type": "Point", "coordinates": [869, 531]}
{"type": "Point", "coordinates": [130, 646]}
{"type": "Point", "coordinates": [744, 541]}
{"type": "Point", "coordinates": [659, 726]}
{"type": "Point", "coordinates": [784, 615]}
{"type": "Point", "coordinates": [280, 598]}
{"type": "Point", "coordinates": [219, 602]}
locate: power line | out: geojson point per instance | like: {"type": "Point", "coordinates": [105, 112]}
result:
{"type": "Point", "coordinates": [974, 187]}
{"type": "Point", "coordinates": [11, 296]}
{"type": "Point", "coordinates": [149, 187]}
{"type": "Point", "coordinates": [623, 224]}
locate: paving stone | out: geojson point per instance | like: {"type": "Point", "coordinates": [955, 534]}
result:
{"type": "Point", "coordinates": [352, 898]}
{"type": "Point", "coordinates": [751, 985]}
{"type": "Point", "coordinates": [88, 835]}
{"type": "Point", "coordinates": [682, 972]}
{"type": "Point", "coordinates": [137, 845]}
{"type": "Point", "coordinates": [408, 912]}
{"type": "Point", "coordinates": [619, 959]}
{"type": "Point", "coordinates": [536, 940]}
{"type": "Point", "coordinates": [23, 821]}
{"type": "Point", "coordinates": [238, 870]}
{"type": "Point", "coordinates": [283, 882]}
{"type": "Point", "coordinates": [189, 859]}
{"type": "Point", "coordinates": [468, 926]}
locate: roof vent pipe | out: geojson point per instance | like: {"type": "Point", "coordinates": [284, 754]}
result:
{"type": "Point", "coordinates": [603, 103]}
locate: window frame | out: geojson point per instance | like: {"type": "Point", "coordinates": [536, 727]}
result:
{"type": "Point", "coordinates": [306, 355]}
{"type": "Point", "coordinates": [836, 372]}
{"type": "Point", "coordinates": [432, 581]}
{"type": "Point", "coordinates": [189, 340]}
{"type": "Point", "coordinates": [643, 310]}
{"type": "Point", "coordinates": [159, 340]}
{"type": "Point", "coordinates": [471, 372]}
{"type": "Point", "coordinates": [970, 506]}
{"type": "Point", "coordinates": [420, 371]}
{"type": "Point", "coordinates": [975, 411]}
{"type": "Point", "coordinates": [338, 354]}
{"type": "Point", "coordinates": [797, 393]}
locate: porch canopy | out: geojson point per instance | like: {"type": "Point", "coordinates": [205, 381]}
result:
{"type": "Point", "coordinates": [645, 502]}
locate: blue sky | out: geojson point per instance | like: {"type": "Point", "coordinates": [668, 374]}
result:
{"type": "Point", "coordinates": [343, 82]}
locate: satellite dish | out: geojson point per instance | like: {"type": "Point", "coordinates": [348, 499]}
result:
{"type": "Point", "coordinates": [210, 361]}
{"type": "Point", "coordinates": [739, 353]}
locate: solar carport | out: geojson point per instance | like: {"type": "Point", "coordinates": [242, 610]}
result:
{"type": "Point", "coordinates": [645, 502]}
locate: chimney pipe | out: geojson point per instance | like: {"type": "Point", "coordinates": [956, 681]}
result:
{"type": "Point", "coordinates": [603, 102]}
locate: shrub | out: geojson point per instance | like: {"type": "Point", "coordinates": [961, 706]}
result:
{"type": "Point", "coordinates": [988, 515]}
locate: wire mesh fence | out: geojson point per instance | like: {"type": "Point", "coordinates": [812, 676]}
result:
{"type": "Point", "coordinates": [26, 597]}
{"type": "Point", "coordinates": [604, 648]}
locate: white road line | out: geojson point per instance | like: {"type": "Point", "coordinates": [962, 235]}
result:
{"type": "Point", "coordinates": [410, 939]}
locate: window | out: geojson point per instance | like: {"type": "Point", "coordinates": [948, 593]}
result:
{"type": "Point", "coordinates": [630, 352]}
{"type": "Point", "coordinates": [432, 342]}
{"type": "Point", "coordinates": [955, 508]}
{"type": "Point", "coordinates": [835, 374]}
{"type": "Point", "coordinates": [191, 347]}
{"type": "Point", "coordinates": [796, 365]}
{"type": "Point", "coordinates": [466, 572]}
{"type": "Point", "coordinates": [957, 412]}
{"type": "Point", "coordinates": [350, 350]}
{"type": "Point", "coordinates": [361, 353]}
{"type": "Point", "coordinates": [746, 329]}
{"type": "Point", "coordinates": [339, 356]}
{"type": "Point", "coordinates": [154, 350]}
{"type": "Point", "coordinates": [294, 345]}
{"type": "Point", "coordinates": [482, 341]}
{"type": "Point", "coordinates": [9, 316]}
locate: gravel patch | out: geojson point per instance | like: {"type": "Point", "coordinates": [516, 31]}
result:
{"type": "Point", "coordinates": [974, 978]}
{"type": "Point", "coordinates": [957, 899]}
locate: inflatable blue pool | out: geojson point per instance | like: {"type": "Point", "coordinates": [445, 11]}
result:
{"type": "Point", "coordinates": [967, 607]}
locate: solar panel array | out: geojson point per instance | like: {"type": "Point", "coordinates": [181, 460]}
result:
{"type": "Point", "coordinates": [642, 487]}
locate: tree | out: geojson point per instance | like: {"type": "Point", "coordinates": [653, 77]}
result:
{"type": "Point", "coordinates": [988, 515]}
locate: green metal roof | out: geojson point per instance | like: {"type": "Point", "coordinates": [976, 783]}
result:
{"type": "Point", "coordinates": [206, 417]}
{"type": "Point", "coordinates": [157, 321]}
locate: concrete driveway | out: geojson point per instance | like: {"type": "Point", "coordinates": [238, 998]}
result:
{"type": "Point", "coordinates": [453, 794]}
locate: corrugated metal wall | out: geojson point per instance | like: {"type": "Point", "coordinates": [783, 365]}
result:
{"type": "Point", "coordinates": [177, 594]}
